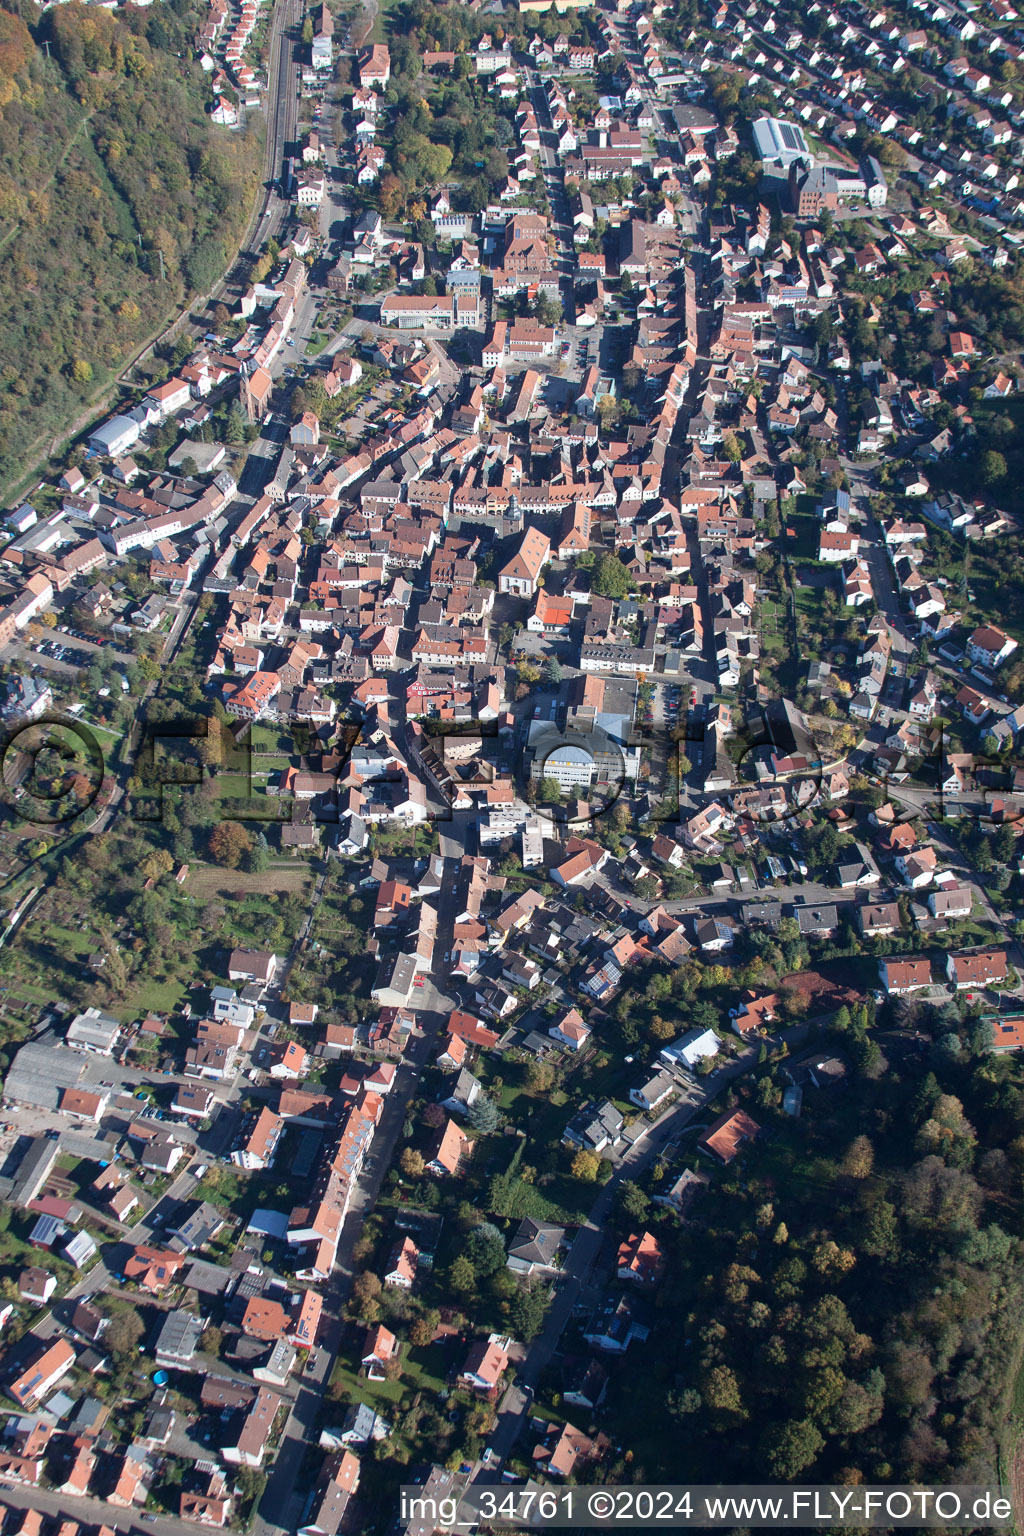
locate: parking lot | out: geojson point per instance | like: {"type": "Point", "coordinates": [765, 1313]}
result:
{"type": "Point", "coordinates": [670, 702]}
{"type": "Point", "coordinates": [61, 653]}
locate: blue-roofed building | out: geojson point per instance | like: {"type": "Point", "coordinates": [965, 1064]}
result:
{"type": "Point", "coordinates": [46, 1232]}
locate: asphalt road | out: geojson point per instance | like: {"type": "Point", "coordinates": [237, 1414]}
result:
{"type": "Point", "coordinates": [95, 1512]}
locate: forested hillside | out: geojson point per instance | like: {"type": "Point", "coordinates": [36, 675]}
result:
{"type": "Point", "coordinates": [107, 160]}
{"type": "Point", "coordinates": [851, 1310]}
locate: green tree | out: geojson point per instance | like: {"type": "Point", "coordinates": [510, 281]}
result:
{"type": "Point", "coordinates": [235, 425]}
{"type": "Point", "coordinates": [547, 310]}
{"type": "Point", "coordinates": [992, 467]}
{"type": "Point", "coordinates": [633, 1202]}
{"type": "Point", "coordinates": [212, 1340]}
{"type": "Point", "coordinates": [790, 1448]}
{"type": "Point", "coordinates": [527, 1310]}
{"type": "Point", "coordinates": [366, 1288]}
{"type": "Point", "coordinates": [258, 859]}
{"type": "Point", "coordinates": [484, 1115]}
{"type": "Point", "coordinates": [539, 1076]}
{"type": "Point", "coordinates": [859, 1158]}
{"type": "Point", "coordinates": [722, 1392]}
{"type": "Point", "coordinates": [461, 1275]}
{"type": "Point", "coordinates": [423, 1328]}
{"type": "Point", "coordinates": [205, 264]}
{"type": "Point", "coordinates": [485, 1249]}
{"type": "Point", "coordinates": [611, 578]}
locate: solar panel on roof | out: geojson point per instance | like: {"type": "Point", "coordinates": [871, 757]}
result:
{"type": "Point", "coordinates": [789, 136]}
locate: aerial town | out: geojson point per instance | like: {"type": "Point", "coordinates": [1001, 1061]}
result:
{"type": "Point", "coordinates": [512, 909]}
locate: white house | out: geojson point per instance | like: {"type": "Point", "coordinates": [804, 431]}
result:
{"type": "Point", "coordinates": [570, 1031]}
{"type": "Point", "coordinates": [652, 1093]}
{"type": "Point", "coordinates": [989, 646]}
{"type": "Point", "coordinates": [694, 1046]}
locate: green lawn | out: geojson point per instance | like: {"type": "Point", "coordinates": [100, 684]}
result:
{"type": "Point", "coordinates": [422, 1369]}
{"type": "Point", "coordinates": [988, 582]}
{"type": "Point", "coordinates": [266, 738]}
{"type": "Point", "coordinates": [1017, 1397]}
{"type": "Point", "coordinates": [809, 601]}
{"type": "Point", "coordinates": [360, 1389]}
{"type": "Point", "coordinates": [108, 730]}
{"type": "Point", "coordinates": [231, 786]}
{"type": "Point", "coordinates": [543, 1117]}
{"type": "Point", "coordinates": [79, 941]}
{"type": "Point", "coordinates": [155, 997]}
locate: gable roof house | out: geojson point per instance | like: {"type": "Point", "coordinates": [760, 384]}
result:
{"type": "Point", "coordinates": [519, 577]}
{"type": "Point", "coordinates": [338, 1481]}
{"type": "Point", "coordinates": [485, 1365]}
{"type": "Point", "coordinates": [47, 1366]}
{"type": "Point", "coordinates": [652, 1093]}
{"type": "Point", "coordinates": [900, 975]}
{"type": "Point", "coordinates": [401, 1270]}
{"type": "Point", "coordinates": [452, 1146]}
{"type": "Point", "coordinates": [252, 1430]}
{"type": "Point", "coordinates": [753, 1011]}
{"type": "Point", "coordinates": [570, 1030]}
{"type": "Point", "coordinates": [379, 1347]}
{"type": "Point", "coordinates": [879, 918]}
{"type": "Point", "coordinates": [728, 1135]}
{"type": "Point", "coordinates": [562, 1449]}
{"type": "Point", "coordinates": [977, 968]}
{"type": "Point", "coordinates": [948, 903]}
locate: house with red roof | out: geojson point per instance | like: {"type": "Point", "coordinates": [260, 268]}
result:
{"type": "Point", "coordinates": [754, 1011]}
{"type": "Point", "coordinates": [485, 1365]}
{"type": "Point", "coordinates": [153, 1269]}
{"type": "Point", "coordinates": [401, 1270]}
{"type": "Point", "coordinates": [979, 968]}
{"type": "Point", "coordinates": [570, 1031]}
{"type": "Point", "coordinates": [901, 974]}
{"type": "Point", "coordinates": [453, 1053]}
{"type": "Point", "coordinates": [379, 1347]}
{"type": "Point", "coordinates": [469, 1028]}
{"type": "Point", "coordinates": [452, 1146]}
{"type": "Point", "coordinates": [640, 1259]}
{"type": "Point", "coordinates": [290, 1061]}
{"type": "Point", "coordinates": [728, 1135]}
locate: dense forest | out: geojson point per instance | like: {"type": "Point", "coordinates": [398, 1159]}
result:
{"type": "Point", "coordinates": [108, 163]}
{"type": "Point", "coordinates": [850, 1310]}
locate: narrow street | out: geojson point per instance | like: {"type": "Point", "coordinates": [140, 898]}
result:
{"type": "Point", "coordinates": [554, 185]}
